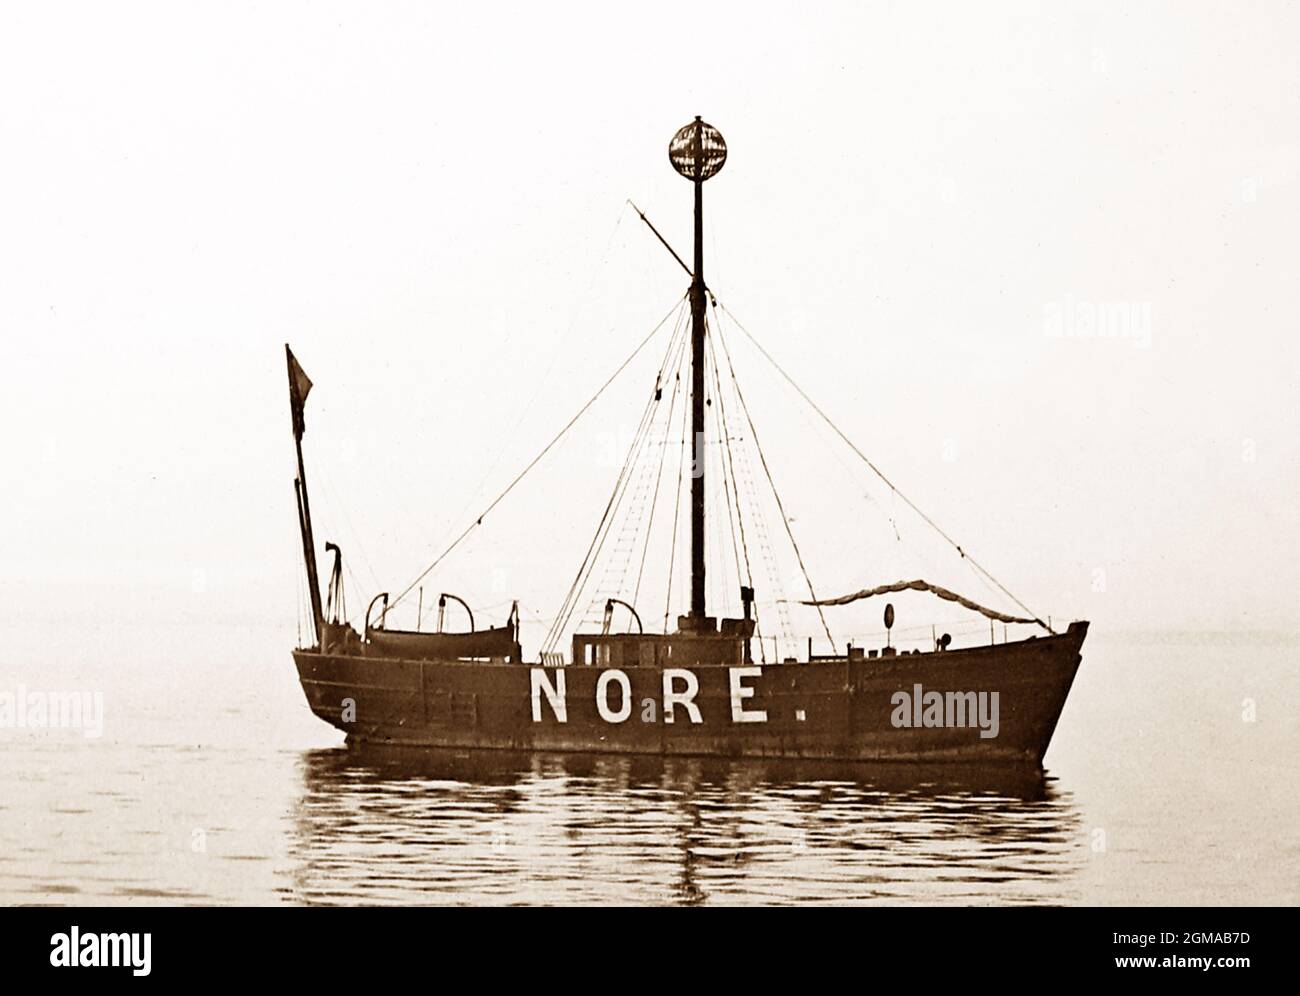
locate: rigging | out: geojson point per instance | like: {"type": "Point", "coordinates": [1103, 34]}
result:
{"type": "Point", "coordinates": [720, 307]}
{"type": "Point", "coordinates": [537, 459]}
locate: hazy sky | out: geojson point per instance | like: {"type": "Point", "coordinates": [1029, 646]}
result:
{"type": "Point", "coordinates": [922, 208]}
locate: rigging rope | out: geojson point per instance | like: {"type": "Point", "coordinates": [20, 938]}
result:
{"type": "Point", "coordinates": [877, 471]}
{"type": "Point", "coordinates": [641, 480]}
{"type": "Point", "coordinates": [663, 455]}
{"type": "Point", "coordinates": [739, 543]}
{"type": "Point", "coordinates": [728, 536]}
{"type": "Point", "coordinates": [540, 382]}
{"type": "Point", "coordinates": [537, 459]}
{"type": "Point", "coordinates": [603, 528]}
{"type": "Point", "coordinates": [335, 503]}
{"type": "Point", "coordinates": [762, 457]}
{"type": "Point", "coordinates": [677, 510]}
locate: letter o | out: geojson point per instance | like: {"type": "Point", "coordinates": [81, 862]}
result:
{"type": "Point", "coordinates": [602, 696]}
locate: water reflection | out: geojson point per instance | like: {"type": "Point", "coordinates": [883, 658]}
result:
{"type": "Point", "coordinates": [386, 826]}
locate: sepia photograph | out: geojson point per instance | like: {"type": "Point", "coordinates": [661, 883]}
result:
{"type": "Point", "coordinates": [689, 454]}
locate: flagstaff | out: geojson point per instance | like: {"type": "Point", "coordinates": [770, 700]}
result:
{"type": "Point", "coordinates": [299, 386]}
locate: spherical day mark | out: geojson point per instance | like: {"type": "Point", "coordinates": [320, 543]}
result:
{"type": "Point", "coordinates": [697, 151]}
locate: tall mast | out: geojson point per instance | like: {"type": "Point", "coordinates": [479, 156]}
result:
{"type": "Point", "coordinates": [697, 152]}
{"type": "Point", "coordinates": [697, 400]}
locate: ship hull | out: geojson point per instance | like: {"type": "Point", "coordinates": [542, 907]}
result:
{"type": "Point", "coordinates": [996, 703]}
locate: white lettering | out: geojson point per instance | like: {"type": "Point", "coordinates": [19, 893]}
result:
{"type": "Point", "coordinates": [686, 698]}
{"type": "Point", "coordinates": [75, 950]}
{"type": "Point", "coordinates": [740, 692]}
{"type": "Point", "coordinates": [35, 709]}
{"type": "Point", "coordinates": [602, 696]}
{"type": "Point", "coordinates": [59, 954]}
{"type": "Point", "coordinates": [555, 694]}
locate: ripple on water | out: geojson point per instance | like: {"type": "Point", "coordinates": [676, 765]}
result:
{"type": "Point", "coordinates": [396, 827]}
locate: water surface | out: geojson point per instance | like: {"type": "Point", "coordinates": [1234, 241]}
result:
{"type": "Point", "coordinates": [1172, 780]}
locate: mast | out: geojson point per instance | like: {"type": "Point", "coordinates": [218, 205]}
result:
{"type": "Point", "coordinates": [299, 386]}
{"type": "Point", "coordinates": [697, 152]}
{"type": "Point", "coordinates": [697, 401]}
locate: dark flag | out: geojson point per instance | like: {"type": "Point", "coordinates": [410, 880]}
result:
{"type": "Point", "coordinates": [299, 386]}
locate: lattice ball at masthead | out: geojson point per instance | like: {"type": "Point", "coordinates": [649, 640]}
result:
{"type": "Point", "coordinates": [698, 146]}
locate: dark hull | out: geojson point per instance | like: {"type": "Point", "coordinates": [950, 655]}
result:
{"type": "Point", "coordinates": [844, 710]}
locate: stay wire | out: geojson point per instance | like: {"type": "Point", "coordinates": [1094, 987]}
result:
{"type": "Point", "coordinates": [615, 499]}
{"type": "Point", "coordinates": [587, 566]}
{"type": "Point", "coordinates": [740, 545]}
{"type": "Point", "coordinates": [677, 510]}
{"type": "Point", "coordinates": [606, 526]}
{"type": "Point", "coordinates": [540, 382]}
{"type": "Point", "coordinates": [663, 454]}
{"type": "Point", "coordinates": [537, 459]}
{"type": "Point", "coordinates": [878, 472]}
{"type": "Point", "coordinates": [603, 529]}
{"type": "Point", "coordinates": [762, 457]}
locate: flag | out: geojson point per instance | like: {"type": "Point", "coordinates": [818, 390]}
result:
{"type": "Point", "coordinates": [299, 386]}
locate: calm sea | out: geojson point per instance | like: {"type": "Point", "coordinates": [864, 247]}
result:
{"type": "Point", "coordinates": [1172, 779]}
